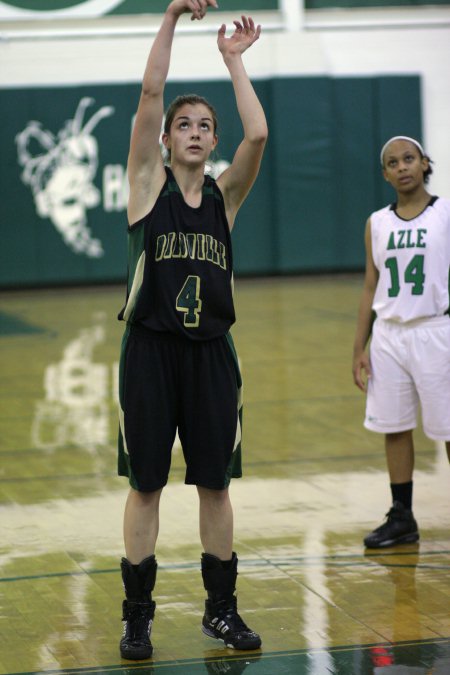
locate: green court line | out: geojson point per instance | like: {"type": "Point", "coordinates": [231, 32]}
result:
{"type": "Point", "coordinates": [303, 561]}
{"type": "Point", "coordinates": [260, 656]}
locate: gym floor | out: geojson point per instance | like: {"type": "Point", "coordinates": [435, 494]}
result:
{"type": "Point", "coordinates": [314, 484]}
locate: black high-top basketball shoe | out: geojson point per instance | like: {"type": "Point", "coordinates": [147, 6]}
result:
{"type": "Point", "coordinates": [138, 610]}
{"type": "Point", "coordinates": [221, 619]}
{"type": "Point", "coordinates": [400, 528]}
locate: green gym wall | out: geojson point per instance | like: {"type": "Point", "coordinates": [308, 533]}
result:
{"type": "Point", "coordinates": [319, 180]}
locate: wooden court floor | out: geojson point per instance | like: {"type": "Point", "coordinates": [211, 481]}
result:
{"type": "Point", "coordinates": [314, 484]}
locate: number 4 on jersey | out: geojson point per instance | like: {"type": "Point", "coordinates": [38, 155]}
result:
{"type": "Point", "coordinates": [188, 301]}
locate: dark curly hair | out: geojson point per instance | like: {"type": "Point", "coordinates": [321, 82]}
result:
{"type": "Point", "coordinates": [429, 171]}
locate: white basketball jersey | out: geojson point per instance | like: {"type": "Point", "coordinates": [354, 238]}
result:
{"type": "Point", "coordinates": [413, 260]}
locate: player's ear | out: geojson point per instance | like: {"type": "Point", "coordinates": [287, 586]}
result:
{"type": "Point", "coordinates": [425, 162]}
{"type": "Point", "coordinates": [165, 138]}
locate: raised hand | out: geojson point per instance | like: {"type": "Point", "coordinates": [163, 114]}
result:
{"type": "Point", "coordinates": [245, 34]}
{"type": "Point", "coordinates": [198, 8]}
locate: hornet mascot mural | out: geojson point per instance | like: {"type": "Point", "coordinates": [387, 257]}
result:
{"type": "Point", "coordinates": [60, 171]}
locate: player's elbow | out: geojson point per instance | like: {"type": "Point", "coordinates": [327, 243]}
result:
{"type": "Point", "coordinates": [258, 136]}
{"type": "Point", "coordinates": [151, 91]}
{"type": "Point", "coordinates": [261, 131]}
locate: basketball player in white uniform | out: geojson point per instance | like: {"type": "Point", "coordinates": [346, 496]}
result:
{"type": "Point", "coordinates": [404, 309]}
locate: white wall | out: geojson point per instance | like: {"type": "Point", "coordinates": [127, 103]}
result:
{"type": "Point", "coordinates": [345, 42]}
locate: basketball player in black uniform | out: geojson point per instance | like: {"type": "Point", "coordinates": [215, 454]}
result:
{"type": "Point", "coordinates": [178, 367]}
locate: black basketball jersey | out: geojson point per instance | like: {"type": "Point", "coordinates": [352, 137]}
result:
{"type": "Point", "coordinates": [180, 276]}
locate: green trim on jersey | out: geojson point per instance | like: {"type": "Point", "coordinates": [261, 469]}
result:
{"type": "Point", "coordinates": [172, 186]}
{"type": "Point", "coordinates": [234, 469]}
{"type": "Point", "coordinates": [123, 457]}
{"type": "Point", "coordinates": [136, 266]}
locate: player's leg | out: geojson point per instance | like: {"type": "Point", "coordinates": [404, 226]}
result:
{"type": "Point", "coordinates": [400, 526]}
{"type": "Point", "coordinates": [219, 571]}
{"type": "Point", "coordinates": [392, 403]}
{"type": "Point", "coordinates": [399, 449]}
{"type": "Point", "coordinates": [216, 522]}
{"type": "Point", "coordinates": [140, 529]}
{"type": "Point", "coordinates": [141, 524]}
{"type": "Point", "coordinates": [210, 433]}
{"type": "Point", "coordinates": [147, 391]}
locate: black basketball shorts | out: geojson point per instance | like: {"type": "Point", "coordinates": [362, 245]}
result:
{"type": "Point", "coordinates": [167, 383]}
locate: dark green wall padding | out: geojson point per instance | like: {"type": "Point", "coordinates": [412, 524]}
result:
{"type": "Point", "coordinates": [367, 4]}
{"type": "Point", "coordinates": [320, 177]}
{"type": "Point", "coordinates": [138, 6]}
{"type": "Point", "coordinates": [250, 6]}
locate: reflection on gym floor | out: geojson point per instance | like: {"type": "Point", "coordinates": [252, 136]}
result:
{"type": "Point", "coordinates": [314, 484]}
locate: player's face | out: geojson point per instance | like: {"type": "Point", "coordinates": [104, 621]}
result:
{"type": "Point", "coordinates": [404, 166]}
{"type": "Point", "coordinates": [191, 138]}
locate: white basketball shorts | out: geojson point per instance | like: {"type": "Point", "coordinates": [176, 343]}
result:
{"type": "Point", "coordinates": [410, 367]}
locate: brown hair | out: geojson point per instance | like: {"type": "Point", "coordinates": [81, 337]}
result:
{"type": "Point", "coordinates": [191, 99]}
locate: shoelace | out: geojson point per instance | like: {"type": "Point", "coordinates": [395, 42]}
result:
{"type": "Point", "coordinates": [229, 612]}
{"type": "Point", "coordinates": [137, 612]}
{"type": "Point", "coordinates": [392, 514]}
{"type": "Point", "coordinates": [138, 629]}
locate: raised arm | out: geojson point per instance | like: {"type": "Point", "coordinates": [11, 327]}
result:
{"type": "Point", "coordinates": [238, 178]}
{"type": "Point", "coordinates": [146, 173]}
{"type": "Point", "coordinates": [361, 363]}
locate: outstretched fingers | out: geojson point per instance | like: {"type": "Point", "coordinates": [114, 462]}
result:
{"type": "Point", "coordinates": [247, 28]}
{"type": "Point", "coordinates": [245, 34]}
